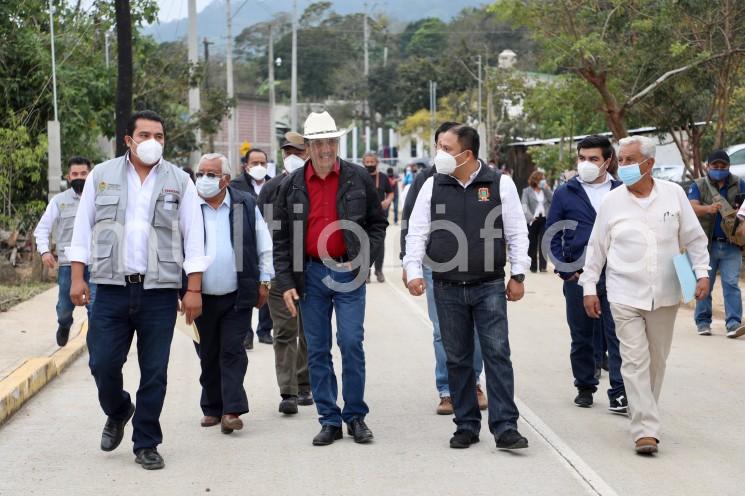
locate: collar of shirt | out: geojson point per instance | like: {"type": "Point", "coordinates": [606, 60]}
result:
{"type": "Point", "coordinates": [225, 201]}
{"type": "Point", "coordinates": [470, 178]}
{"type": "Point", "coordinates": [645, 201]}
{"type": "Point", "coordinates": [595, 185]}
{"type": "Point", "coordinates": [310, 171]}
{"type": "Point", "coordinates": [153, 170]}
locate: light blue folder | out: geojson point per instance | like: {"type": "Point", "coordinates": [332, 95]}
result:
{"type": "Point", "coordinates": [686, 276]}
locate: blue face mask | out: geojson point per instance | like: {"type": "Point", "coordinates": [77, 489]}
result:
{"type": "Point", "coordinates": [630, 174]}
{"type": "Point", "coordinates": [718, 174]}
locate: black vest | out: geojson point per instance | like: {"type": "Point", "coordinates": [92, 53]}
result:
{"type": "Point", "coordinates": [243, 224]}
{"type": "Point", "coordinates": [466, 235]}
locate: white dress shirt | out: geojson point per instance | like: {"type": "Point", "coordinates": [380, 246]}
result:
{"type": "Point", "coordinates": [138, 224]}
{"type": "Point", "coordinates": [220, 277]}
{"type": "Point", "coordinates": [45, 227]}
{"type": "Point", "coordinates": [540, 209]}
{"type": "Point", "coordinates": [638, 239]}
{"type": "Point", "coordinates": [257, 186]}
{"type": "Point", "coordinates": [513, 221]}
{"type": "Point", "coordinates": [596, 192]}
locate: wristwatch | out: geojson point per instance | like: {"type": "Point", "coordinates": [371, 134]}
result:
{"type": "Point", "coordinates": [266, 284]}
{"type": "Point", "coordinates": [518, 277]}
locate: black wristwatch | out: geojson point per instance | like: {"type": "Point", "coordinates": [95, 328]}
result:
{"type": "Point", "coordinates": [518, 277]}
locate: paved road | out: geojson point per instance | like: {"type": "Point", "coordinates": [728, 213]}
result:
{"type": "Point", "coordinates": [51, 445]}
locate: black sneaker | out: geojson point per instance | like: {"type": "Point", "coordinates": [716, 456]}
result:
{"type": "Point", "coordinates": [619, 405]}
{"type": "Point", "coordinates": [150, 459]}
{"type": "Point", "coordinates": [463, 439]}
{"type": "Point", "coordinates": [62, 335]}
{"type": "Point", "coordinates": [584, 398]}
{"type": "Point", "coordinates": [288, 405]}
{"type": "Point", "coordinates": [511, 439]}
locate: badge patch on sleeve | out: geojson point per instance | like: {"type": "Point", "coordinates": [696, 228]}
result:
{"type": "Point", "coordinates": [483, 194]}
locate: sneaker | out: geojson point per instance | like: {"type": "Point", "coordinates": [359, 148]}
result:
{"type": "Point", "coordinates": [481, 397]}
{"type": "Point", "coordinates": [463, 439]}
{"type": "Point", "coordinates": [736, 332]}
{"type": "Point", "coordinates": [446, 406]}
{"type": "Point", "coordinates": [619, 405]}
{"type": "Point", "coordinates": [704, 330]}
{"type": "Point", "coordinates": [511, 439]}
{"type": "Point", "coordinates": [62, 335]}
{"type": "Point", "coordinates": [584, 398]}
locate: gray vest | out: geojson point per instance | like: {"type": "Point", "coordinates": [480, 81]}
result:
{"type": "Point", "coordinates": [165, 254]}
{"type": "Point", "coordinates": [67, 205]}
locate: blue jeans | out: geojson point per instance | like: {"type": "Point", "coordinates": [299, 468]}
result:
{"type": "Point", "coordinates": [483, 306]}
{"type": "Point", "coordinates": [65, 306]}
{"type": "Point", "coordinates": [316, 307]}
{"type": "Point", "coordinates": [584, 332]}
{"type": "Point", "coordinates": [727, 259]}
{"type": "Point", "coordinates": [119, 312]}
{"type": "Point", "coordinates": [441, 369]}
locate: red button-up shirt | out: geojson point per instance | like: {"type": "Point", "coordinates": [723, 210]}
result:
{"type": "Point", "coordinates": [322, 194]}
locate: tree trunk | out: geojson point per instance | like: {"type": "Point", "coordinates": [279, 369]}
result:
{"type": "Point", "coordinates": [124, 74]}
{"type": "Point", "coordinates": [614, 113]}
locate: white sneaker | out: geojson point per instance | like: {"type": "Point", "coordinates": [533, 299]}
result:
{"type": "Point", "coordinates": [736, 332]}
{"type": "Point", "coordinates": [704, 330]}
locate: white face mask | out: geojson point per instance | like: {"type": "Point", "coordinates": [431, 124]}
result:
{"type": "Point", "coordinates": [293, 163]}
{"type": "Point", "coordinates": [149, 151]}
{"type": "Point", "coordinates": [208, 187]}
{"type": "Point", "coordinates": [445, 163]}
{"type": "Point", "coordinates": [258, 172]}
{"type": "Point", "coordinates": [589, 172]}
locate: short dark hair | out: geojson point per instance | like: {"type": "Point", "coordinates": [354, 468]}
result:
{"type": "Point", "coordinates": [445, 126]}
{"type": "Point", "coordinates": [389, 171]}
{"type": "Point", "coordinates": [147, 115]}
{"type": "Point", "coordinates": [468, 138]}
{"type": "Point", "coordinates": [596, 141]}
{"type": "Point", "coordinates": [255, 150]}
{"type": "Point", "coordinates": [79, 160]}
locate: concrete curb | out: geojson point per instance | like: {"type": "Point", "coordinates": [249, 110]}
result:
{"type": "Point", "coordinates": [34, 373]}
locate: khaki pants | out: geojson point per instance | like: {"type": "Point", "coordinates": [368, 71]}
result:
{"type": "Point", "coordinates": [645, 338]}
{"type": "Point", "coordinates": [290, 349]}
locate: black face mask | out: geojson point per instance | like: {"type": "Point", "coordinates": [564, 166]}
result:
{"type": "Point", "coordinates": [77, 185]}
{"type": "Point", "coordinates": [372, 169]}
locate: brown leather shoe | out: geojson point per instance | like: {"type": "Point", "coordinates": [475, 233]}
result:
{"type": "Point", "coordinates": [209, 421]}
{"type": "Point", "coordinates": [446, 406]}
{"type": "Point", "coordinates": [481, 397]}
{"type": "Point", "coordinates": [646, 446]}
{"type": "Point", "coordinates": [231, 422]}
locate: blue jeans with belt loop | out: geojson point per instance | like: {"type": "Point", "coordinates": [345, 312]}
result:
{"type": "Point", "coordinates": [725, 258]}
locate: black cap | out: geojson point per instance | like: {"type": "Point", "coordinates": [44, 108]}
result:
{"type": "Point", "coordinates": [718, 156]}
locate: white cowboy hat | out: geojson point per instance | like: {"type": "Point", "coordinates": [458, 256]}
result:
{"type": "Point", "coordinates": [320, 125]}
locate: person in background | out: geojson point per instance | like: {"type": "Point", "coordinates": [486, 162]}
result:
{"type": "Point", "coordinates": [708, 196]}
{"type": "Point", "coordinates": [640, 227]}
{"type": "Point", "coordinates": [58, 220]}
{"type": "Point", "coordinates": [189, 171]}
{"type": "Point", "coordinates": [239, 244]}
{"type": "Point", "coordinates": [536, 201]}
{"type": "Point", "coordinates": [290, 347]}
{"type": "Point", "coordinates": [385, 195]}
{"type": "Point", "coordinates": [394, 181]}
{"type": "Point", "coordinates": [252, 180]}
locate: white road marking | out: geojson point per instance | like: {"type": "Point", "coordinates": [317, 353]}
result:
{"type": "Point", "coordinates": [590, 480]}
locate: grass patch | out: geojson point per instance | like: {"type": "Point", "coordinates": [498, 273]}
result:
{"type": "Point", "coordinates": [11, 295]}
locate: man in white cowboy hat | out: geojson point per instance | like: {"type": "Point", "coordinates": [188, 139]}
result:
{"type": "Point", "coordinates": [323, 267]}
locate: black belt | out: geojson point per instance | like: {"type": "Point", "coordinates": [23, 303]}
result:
{"type": "Point", "coordinates": [134, 278]}
{"type": "Point", "coordinates": [341, 259]}
{"type": "Point", "coordinates": [447, 282]}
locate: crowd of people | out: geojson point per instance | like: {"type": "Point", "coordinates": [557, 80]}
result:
{"type": "Point", "coordinates": [137, 241]}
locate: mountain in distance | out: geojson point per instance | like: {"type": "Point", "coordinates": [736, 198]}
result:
{"type": "Point", "coordinates": [211, 20]}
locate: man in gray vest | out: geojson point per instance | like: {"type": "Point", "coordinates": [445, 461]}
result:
{"type": "Point", "coordinates": [464, 220]}
{"type": "Point", "coordinates": [139, 223]}
{"type": "Point", "coordinates": [58, 221]}
{"type": "Point", "coordinates": [711, 196]}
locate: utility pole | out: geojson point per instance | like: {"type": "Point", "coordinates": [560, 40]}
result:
{"type": "Point", "coordinates": [54, 146]}
{"type": "Point", "coordinates": [293, 82]}
{"type": "Point", "coordinates": [366, 34]}
{"type": "Point", "coordinates": [433, 108]}
{"type": "Point", "coordinates": [207, 43]}
{"type": "Point", "coordinates": [231, 92]}
{"type": "Point", "coordinates": [272, 97]}
{"type": "Point", "coordinates": [194, 102]}
{"type": "Point", "coordinates": [480, 84]}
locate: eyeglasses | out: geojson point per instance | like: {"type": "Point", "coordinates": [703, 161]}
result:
{"type": "Point", "coordinates": [210, 175]}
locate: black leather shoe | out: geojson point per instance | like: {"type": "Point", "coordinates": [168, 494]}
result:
{"type": "Point", "coordinates": [511, 439]}
{"type": "Point", "coordinates": [463, 439]}
{"type": "Point", "coordinates": [584, 398]}
{"type": "Point", "coordinates": [288, 406]}
{"type": "Point", "coordinates": [328, 434]}
{"type": "Point", "coordinates": [359, 430]}
{"type": "Point", "coordinates": [248, 343]}
{"type": "Point", "coordinates": [62, 336]}
{"type": "Point", "coordinates": [305, 398]}
{"type": "Point", "coordinates": [150, 459]}
{"type": "Point", "coordinates": [266, 339]}
{"type": "Point", "coordinates": [113, 431]}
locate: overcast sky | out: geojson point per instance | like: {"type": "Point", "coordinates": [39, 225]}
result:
{"type": "Point", "coordinates": [177, 9]}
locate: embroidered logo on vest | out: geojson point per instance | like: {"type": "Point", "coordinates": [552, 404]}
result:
{"type": "Point", "coordinates": [483, 194]}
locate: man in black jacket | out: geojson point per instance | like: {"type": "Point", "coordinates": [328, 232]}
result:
{"type": "Point", "coordinates": [329, 220]}
{"type": "Point", "coordinates": [290, 348]}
